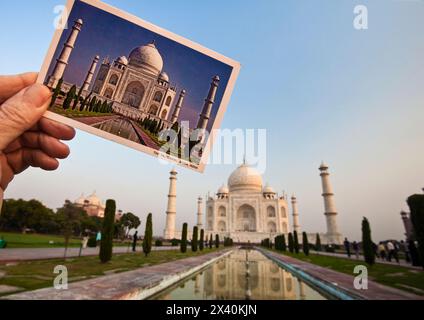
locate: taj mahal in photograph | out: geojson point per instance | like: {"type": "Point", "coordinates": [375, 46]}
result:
{"type": "Point", "coordinates": [248, 211]}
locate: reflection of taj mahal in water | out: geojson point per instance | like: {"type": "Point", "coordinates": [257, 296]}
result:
{"type": "Point", "coordinates": [247, 211]}
{"type": "Point", "coordinates": [137, 85]}
{"type": "Point", "coordinates": [243, 275]}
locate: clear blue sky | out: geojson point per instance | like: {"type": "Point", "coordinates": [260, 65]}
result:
{"type": "Point", "coordinates": [323, 91]}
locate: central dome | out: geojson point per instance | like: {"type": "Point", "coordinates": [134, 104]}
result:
{"type": "Point", "coordinates": [148, 58]}
{"type": "Point", "coordinates": [245, 178]}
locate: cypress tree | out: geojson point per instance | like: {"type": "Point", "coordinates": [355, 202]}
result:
{"type": "Point", "coordinates": [305, 243]}
{"type": "Point", "coordinates": [210, 242]}
{"type": "Point", "coordinates": [217, 241]}
{"type": "Point", "coordinates": [77, 99]}
{"type": "Point", "coordinates": [291, 244]}
{"type": "Point", "coordinates": [56, 92]}
{"type": "Point", "coordinates": [202, 240]}
{"type": "Point", "coordinates": [84, 102]}
{"type": "Point", "coordinates": [367, 244]}
{"type": "Point", "coordinates": [106, 244]}
{"type": "Point", "coordinates": [183, 245]}
{"type": "Point", "coordinates": [295, 242]}
{"type": "Point", "coordinates": [69, 97]}
{"type": "Point", "coordinates": [194, 239]}
{"type": "Point", "coordinates": [318, 246]}
{"type": "Point", "coordinates": [416, 207]}
{"type": "Point", "coordinates": [92, 104]}
{"type": "Point", "coordinates": [148, 235]}
{"type": "Point", "coordinates": [283, 243]}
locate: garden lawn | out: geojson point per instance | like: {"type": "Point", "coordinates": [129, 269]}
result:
{"type": "Point", "coordinates": [399, 277]}
{"type": "Point", "coordinates": [31, 275]}
{"type": "Point", "coordinates": [19, 240]}
{"type": "Point", "coordinates": [77, 114]}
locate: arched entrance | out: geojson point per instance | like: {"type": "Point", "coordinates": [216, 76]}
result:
{"type": "Point", "coordinates": [134, 93]}
{"type": "Point", "coordinates": [246, 218]}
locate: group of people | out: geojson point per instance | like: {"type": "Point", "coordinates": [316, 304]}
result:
{"type": "Point", "coordinates": [388, 250]}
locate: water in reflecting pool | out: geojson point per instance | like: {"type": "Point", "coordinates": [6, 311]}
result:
{"type": "Point", "coordinates": [120, 127]}
{"type": "Point", "coordinates": [232, 278]}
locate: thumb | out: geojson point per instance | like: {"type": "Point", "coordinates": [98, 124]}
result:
{"type": "Point", "coordinates": [22, 111]}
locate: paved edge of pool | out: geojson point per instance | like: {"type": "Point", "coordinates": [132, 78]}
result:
{"type": "Point", "coordinates": [321, 285]}
{"type": "Point", "coordinates": [176, 278]}
{"type": "Point", "coordinates": [137, 284]}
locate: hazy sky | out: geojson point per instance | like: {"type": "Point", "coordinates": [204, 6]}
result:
{"type": "Point", "coordinates": [323, 91]}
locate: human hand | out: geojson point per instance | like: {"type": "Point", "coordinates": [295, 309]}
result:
{"type": "Point", "coordinates": [26, 138]}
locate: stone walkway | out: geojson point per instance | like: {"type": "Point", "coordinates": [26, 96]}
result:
{"type": "Point", "coordinates": [401, 263]}
{"type": "Point", "coordinates": [92, 121]}
{"type": "Point", "coordinates": [22, 254]}
{"type": "Point", "coordinates": [132, 285]}
{"type": "Point", "coordinates": [344, 281]}
{"type": "Point", "coordinates": [147, 141]}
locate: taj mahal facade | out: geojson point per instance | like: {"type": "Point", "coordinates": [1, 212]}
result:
{"type": "Point", "coordinates": [247, 211]}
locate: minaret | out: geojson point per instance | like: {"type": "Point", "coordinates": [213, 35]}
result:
{"type": "Point", "coordinates": [178, 107]}
{"type": "Point", "coordinates": [63, 60]}
{"type": "Point", "coordinates": [199, 213]}
{"type": "Point", "coordinates": [90, 73]}
{"type": "Point", "coordinates": [207, 107]}
{"type": "Point", "coordinates": [333, 235]}
{"type": "Point", "coordinates": [171, 210]}
{"type": "Point", "coordinates": [296, 226]}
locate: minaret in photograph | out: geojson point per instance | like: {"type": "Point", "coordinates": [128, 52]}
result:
{"type": "Point", "coordinates": [207, 107]}
{"type": "Point", "coordinates": [178, 107]}
{"type": "Point", "coordinates": [199, 213]}
{"type": "Point", "coordinates": [333, 235]}
{"type": "Point", "coordinates": [63, 60]}
{"type": "Point", "coordinates": [90, 73]}
{"type": "Point", "coordinates": [296, 226]}
{"type": "Point", "coordinates": [171, 210]}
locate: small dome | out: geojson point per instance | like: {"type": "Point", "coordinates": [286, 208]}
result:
{"type": "Point", "coordinates": [245, 178]}
{"type": "Point", "coordinates": [223, 190]}
{"type": "Point", "coordinates": [323, 166]}
{"type": "Point", "coordinates": [94, 200]}
{"type": "Point", "coordinates": [80, 200]}
{"type": "Point", "coordinates": [164, 76]}
{"type": "Point", "coordinates": [79, 21]}
{"type": "Point", "coordinates": [122, 60]}
{"type": "Point", "coordinates": [147, 58]}
{"type": "Point", "coordinates": [268, 189]}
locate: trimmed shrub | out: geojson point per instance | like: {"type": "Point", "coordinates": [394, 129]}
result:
{"type": "Point", "coordinates": [318, 246]}
{"type": "Point", "coordinates": [194, 240]}
{"type": "Point", "coordinates": [367, 244]}
{"type": "Point", "coordinates": [216, 241]}
{"type": "Point", "coordinates": [106, 244]}
{"type": "Point", "coordinates": [183, 245]}
{"type": "Point", "coordinates": [305, 243]}
{"type": "Point", "coordinates": [158, 243]}
{"type": "Point", "coordinates": [295, 242]}
{"type": "Point", "coordinates": [291, 243]}
{"type": "Point", "coordinates": [202, 240]}
{"type": "Point", "coordinates": [148, 235]}
{"type": "Point", "coordinates": [416, 207]}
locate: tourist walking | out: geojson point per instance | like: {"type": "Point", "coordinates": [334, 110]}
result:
{"type": "Point", "coordinates": [347, 247]}
{"type": "Point", "coordinates": [355, 247]}
{"type": "Point", "coordinates": [98, 238]}
{"type": "Point", "coordinates": [382, 251]}
{"type": "Point", "coordinates": [390, 250]}
{"type": "Point", "coordinates": [135, 238]}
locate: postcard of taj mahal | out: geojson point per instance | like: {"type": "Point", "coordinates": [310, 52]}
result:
{"type": "Point", "coordinates": [126, 80]}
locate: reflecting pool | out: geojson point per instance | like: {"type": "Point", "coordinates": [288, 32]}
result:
{"type": "Point", "coordinates": [244, 274]}
{"type": "Point", "coordinates": [120, 127]}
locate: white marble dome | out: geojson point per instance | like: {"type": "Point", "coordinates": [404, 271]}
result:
{"type": "Point", "coordinates": [223, 190]}
{"type": "Point", "coordinates": [148, 58]}
{"type": "Point", "coordinates": [268, 189]}
{"type": "Point", "coordinates": [80, 200]}
{"type": "Point", "coordinates": [245, 178]}
{"type": "Point", "coordinates": [94, 200]}
{"type": "Point", "coordinates": [164, 76]}
{"type": "Point", "coordinates": [122, 60]}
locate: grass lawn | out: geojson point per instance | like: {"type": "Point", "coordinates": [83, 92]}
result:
{"type": "Point", "coordinates": [19, 240]}
{"type": "Point", "coordinates": [390, 275]}
{"type": "Point", "coordinates": [31, 275]}
{"type": "Point", "coordinates": [33, 240]}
